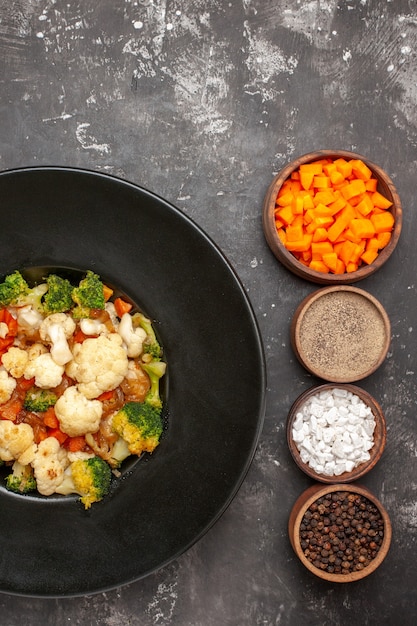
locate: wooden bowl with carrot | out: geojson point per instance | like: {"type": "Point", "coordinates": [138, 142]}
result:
{"type": "Point", "coordinates": [332, 217]}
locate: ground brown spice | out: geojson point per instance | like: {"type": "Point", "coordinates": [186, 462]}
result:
{"type": "Point", "coordinates": [342, 334]}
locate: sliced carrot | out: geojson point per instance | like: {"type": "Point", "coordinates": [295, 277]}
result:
{"type": "Point", "coordinates": [286, 215]}
{"type": "Point", "coordinates": [75, 444]}
{"type": "Point", "coordinates": [365, 205]}
{"type": "Point", "coordinates": [361, 170]}
{"type": "Point", "coordinates": [372, 244]}
{"type": "Point", "coordinates": [351, 267]}
{"type": "Point", "coordinates": [321, 182]}
{"type": "Point", "coordinates": [382, 222]}
{"type": "Point", "coordinates": [344, 167]}
{"type": "Point", "coordinates": [319, 266]}
{"type": "Point", "coordinates": [332, 217]}
{"type": "Point", "coordinates": [286, 199]}
{"type": "Point", "coordinates": [340, 267]}
{"type": "Point", "coordinates": [341, 222]}
{"type": "Point", "coordinates": [362, 228]}
{"type": "Point", "coordinates": [371, 184]}
{"type": "Point", "coordinates": [320, 234]}
{"type": "Point", "coordinates": [108, 292]}
{"type": "Point", "coordinates": [380, 201]}
{"type": "Point", "coordinates": [306, 179]}
{"type": "Point", "coordinates": [78, 336]}
{"type": "Point", "coordinates": [354, 188]}
{"type": "Point", "coordinates": [50, 419]}
{"type": "Point", "coordinates": [10, 409]}
{"type": "Point", "coordinates": [383, 239]}
{"type": "Point", "coordinates": [337, 178]}
{"type": "Point", "coordinates": [320, 248]}
{"type": "Point", "coordinates": [23, 384]}
{"type": "Point", "coordinates": [58, 434]}
{"type": "Point", "coordinates": [282, 234]}
{"type": "Point", "coordinates": [299, 246]}
{"type": "Point", "coordinates": [106, 395]}
{"type": "Point", "coordinates": [369, 256]}
{"type": "Point", "coordinates": [330, 259]}
{"type": "Point", "coordinates": [122, 306]}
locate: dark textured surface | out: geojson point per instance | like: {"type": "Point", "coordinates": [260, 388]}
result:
{"type": "Point", "coordinates": [202, 102]}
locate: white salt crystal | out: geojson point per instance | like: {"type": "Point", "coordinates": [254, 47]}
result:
{"type": "Point", "coordinates": [333, 431]}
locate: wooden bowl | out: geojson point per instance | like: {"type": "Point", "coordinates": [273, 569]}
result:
{"type": "Point", "coordinates": [379, 435]}
{"type": "Point", "coordinates": [385, 187]}
{"type": "Point", "coordinates": [340, 333]}
{"type": "Point", "coordinates": [303, 504]}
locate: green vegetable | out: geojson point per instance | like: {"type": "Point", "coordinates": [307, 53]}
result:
{"type": "Point", "coordinates": [89, 478]}
{"type": "Point", "coordinates": [58, 298]}
{"type": "Point", "coordinates": [33, 297]}
{"type": "Point", "coordinates": [150, 345]}
{"type": "Point", "coordinates": [13, 287]}
{"type": "Point", "coordinates": [140, 425]}
{"type": "Point", "coordinates": [39, 400]}
{"type": "Point", "coordinates": [155, 371]}
{"type": "Point", "coordinates": [88, 295]}
{"type": "Point", "coordinates": [21, 480]}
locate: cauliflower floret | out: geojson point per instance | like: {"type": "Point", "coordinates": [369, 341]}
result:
{"type": "Point", "coordinates": [35, 350]}
{"type": "Point", "coordinates": [7, 386]}
{"type": "Point", "coordinates": [45, 371]}
{"type": "Point", "coordinates": [16, 442]}
{"type": "Point", "coordinates": [92, 327]}
{"type": "Point", "coordinates": [99, 364]}
{"type": "Point", "coordinates": [15, 361]}
{"type": "Point", "coordinates": [111, 310]}
{"type": "Point", "coordinates": [57, 329]}
{"type": "Point", "coordinates": [76, 414]}
{"type": "Point", "coordinates": [133, 338]}
{"type": "Point", "coordinates": [80, 456]}
{"type": "Point", "coordinates": [29, 319]}
{"type": "Point", "coordinates": [49, 464]}
{"type": "Point", "coordinates": [4, 329]}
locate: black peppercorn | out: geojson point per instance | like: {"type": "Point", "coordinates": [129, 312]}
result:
{"type": "Point", "coordinates": [346, 529]}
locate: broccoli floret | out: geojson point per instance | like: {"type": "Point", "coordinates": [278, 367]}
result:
{"type": "Point", "coordinates": [58, 298]}
{"type": "Point", "coordinates": [88, 295]}
{"type": "Point", "coordinates": [89, 478]}
{"type": "Point", "coordinates": [150, 345]}
{"type": "Point", "coordinates": [155, 371]}
{"type": "Point", "coordinates": [21, 480]}
{"type": "Point", "coordinates": [140, 425]}
{"type": "Point", "coordinates": [13, 287]}
{"type": "Point", "coordinates": [39, 400]}
{"type": "Point", "coordinates": [33, 297]}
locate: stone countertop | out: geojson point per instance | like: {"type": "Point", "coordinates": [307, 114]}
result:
{"type": "Point", "coordinates": [202, 102]}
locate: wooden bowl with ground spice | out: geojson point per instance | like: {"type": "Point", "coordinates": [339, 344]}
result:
{"type": "Point", "coordinates": [341, 533]}
{"type": "Point", "coordinates": [340, 333]}
{"type": "Point", "coordinates": [332, 217]}
{"type": "Point", "coordinates": [336, 433]}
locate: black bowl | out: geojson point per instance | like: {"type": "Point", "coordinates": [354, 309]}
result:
{"type": "Point", "coordinates": [75, 219]}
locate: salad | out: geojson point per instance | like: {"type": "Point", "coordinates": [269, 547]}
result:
{"type": "Point", "coordinates": [80, 373]}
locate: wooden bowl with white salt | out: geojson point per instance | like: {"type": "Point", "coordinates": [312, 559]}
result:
{"type": "Point", "coordinates": [336, 433]}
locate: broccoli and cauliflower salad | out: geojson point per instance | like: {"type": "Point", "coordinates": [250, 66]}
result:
{"type": "Point", "coordinates": [80, 375]}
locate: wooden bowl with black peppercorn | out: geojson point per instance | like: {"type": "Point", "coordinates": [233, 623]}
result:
{"type": "Point", "coordinates": [341, 533]}
{"type": "Point", "coordinates": [296, 253]}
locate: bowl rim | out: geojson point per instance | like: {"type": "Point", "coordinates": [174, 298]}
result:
{"type": "Point", "coordinates": [298, 317]}
{"type": "Point", "coordinates": [380, 434]}
{"type": "Point", "coordinates": [288, 259]}
{"type": "Point", "coordinates": [313, 493]}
